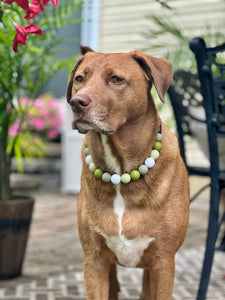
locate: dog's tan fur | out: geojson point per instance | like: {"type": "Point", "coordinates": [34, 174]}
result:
{"type": "Point", "coordinates": [157, 205]}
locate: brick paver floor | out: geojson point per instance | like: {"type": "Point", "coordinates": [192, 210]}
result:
{"type": "Point", "coordinates": [70, 285]}
{"type": "Point", "coordinates": [53, 267]}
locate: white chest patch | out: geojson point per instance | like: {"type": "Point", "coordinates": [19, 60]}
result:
{"type": "Point", "coordinates": [109, 158]}
{"type": "Point", "coordinates": [128, 252]}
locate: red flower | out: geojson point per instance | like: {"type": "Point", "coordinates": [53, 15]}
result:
{"type": "Point", "coordinates": [55, 2]}
{"type": "Point", "coordinates": [35, 7]}
{"type": "Point", "coordinates": [21, 3]}
{"type": "Point", "coordinates": [22, 33]}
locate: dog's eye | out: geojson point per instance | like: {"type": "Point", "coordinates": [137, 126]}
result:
{"type": "Point", "coordinates": [116, 79]}
{"type": "Point", "coordinates": [79, 79]}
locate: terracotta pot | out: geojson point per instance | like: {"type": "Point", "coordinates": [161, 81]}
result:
{"type": "Point", "coordinates": [15, 219]}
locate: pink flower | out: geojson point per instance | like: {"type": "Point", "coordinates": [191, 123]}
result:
{"type": "Point", "coordinates": [42, 117]}
{"type": "Point", "coordinates": [37, 123]}
{"type": "Point", "coordinates": [14, 128]}
{"type": "Point", "coordinates": [9, 106]}
{"type": "Point", "coordinates": [38, 103]}
{"type": "Point", "coordinates": [25, 101]}
{"type": "Point", "coordinates": [22, 33]}
{"type": "Point", "coordinates": [46, 114]}
{"type": "Point", "coordinates": [51, 103]}
{"type": "Point", "coordinates": [35, 7]}
{"type": "Point", "coordinates": [55, 2]}
{"type": "Point", "coordinates": [21, 3]}
{"type": "Point", "coordinates": [52, 133]}
{"type": "Point", "coordinates": [56, 122]}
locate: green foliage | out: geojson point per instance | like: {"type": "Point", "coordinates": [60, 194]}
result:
{"type": "Point", "coordinates": [26, 72]}
{"type": "Point", "coordinates": [170, 36]}
{"type": "Point", "coordinates": [32, 67]}
{"type": "Point", "coordinates": [25, 145]}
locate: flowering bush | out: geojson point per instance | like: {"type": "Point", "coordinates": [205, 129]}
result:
{"type": "Point", "coordinates": [31, 9]}
{"type": "Point", "coordinates": [24, 71]}
{"type": "Point", "coordinates": [42, 117]}
{"type": "Point", "coordinates": [36, 121]}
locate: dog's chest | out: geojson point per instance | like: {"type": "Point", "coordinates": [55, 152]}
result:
{"type": "Point", "coordinates": [128, 252]}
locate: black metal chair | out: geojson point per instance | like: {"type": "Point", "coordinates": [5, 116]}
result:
{"type": "Point", "coordinates": [187, 102]}
{"type": "Point", "coordinates": [185, 94]}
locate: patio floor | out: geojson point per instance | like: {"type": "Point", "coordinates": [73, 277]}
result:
{"type": "Point", "coordinates": [53, 267]}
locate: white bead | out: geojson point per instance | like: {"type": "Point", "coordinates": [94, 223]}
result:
{"type": "Point", "coordinates": [149, 162]}
{"type": "Point", "coordinates": [88, 159]}
{"type": "Point", "coordinates": [115, 179]}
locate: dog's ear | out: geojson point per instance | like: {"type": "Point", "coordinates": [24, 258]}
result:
{"type": "Point", "coordinates": [85, 49]}
{"type": "Point", "coordinates": [159, 71]}
{"type": "Point", "coordinates": [70, 83]}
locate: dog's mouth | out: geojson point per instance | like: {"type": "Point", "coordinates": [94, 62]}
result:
{"type": "Point", "coordinates": [83, 126]}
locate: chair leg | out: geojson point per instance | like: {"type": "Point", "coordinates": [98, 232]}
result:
{"type": "Point", "coordinates": [222, 244]}
{"type": "Point", "coordinates": [210, 241]}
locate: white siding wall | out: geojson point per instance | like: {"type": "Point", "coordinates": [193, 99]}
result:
{"type": "Point", "coordinates": [119, 26]}
{"type": "Point", "coordinates": [71, 139]}
{"type": "Point", "coordinates": [71, 154]}
{"type": "Point", "coordinates": [123, 23]}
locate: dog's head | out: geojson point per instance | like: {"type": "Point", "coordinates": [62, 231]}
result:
{"type": "Point", "coordinates": [107, 90]}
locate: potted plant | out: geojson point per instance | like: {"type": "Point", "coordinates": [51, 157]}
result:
{"type": "Point", "coordinates": [24, 71]}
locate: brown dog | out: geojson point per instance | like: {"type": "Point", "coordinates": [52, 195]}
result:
{"type": "Point", "coordinates": [134, 218]}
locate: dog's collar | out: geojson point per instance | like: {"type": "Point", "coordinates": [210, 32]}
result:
{"type": "Point", "coordinates": [134, 175]}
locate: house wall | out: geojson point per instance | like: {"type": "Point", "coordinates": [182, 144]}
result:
{"type": "Point", "coordinates": [71, 139]}
{"type": "Point", "coordinates": [123, 24]}
{"type": "Point", "coordinates": [120, 26]}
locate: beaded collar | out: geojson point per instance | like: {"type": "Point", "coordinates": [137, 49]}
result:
{"type": "Point", "coordinates": [134, 175]}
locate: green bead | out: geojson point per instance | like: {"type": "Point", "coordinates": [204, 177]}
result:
{"type": "Point", "coordinates": [85, 144]}
{"type": "Point", "coordinates": [159, 137]}
{"type": "Point", "coordinates": [155, 154]}
{"type": "Point", "coordinates": [157, 146]}
{"type": "Point", "coordinates": [106, 177]}
{"type": "Point", "coordinates": [125, 178]}
{"type": "Point", "coordinates": [98, 173]}
{"type": "Point", "coordinates": [135, 175]}
{"type": "Point", "coordinates": [86, 151]}
{"type": "Point", "coordinates": [92, 167]}
{"type": "Point", "coordinates": [143, 169]}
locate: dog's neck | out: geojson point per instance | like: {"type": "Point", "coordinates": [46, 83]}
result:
{"type": "Point", "coordinates": [127, 148]}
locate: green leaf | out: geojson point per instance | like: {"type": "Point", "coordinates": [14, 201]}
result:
{"type": "Point", "coordinates": [19, 157]}
{"type": "Point", "coordinates": [34, 49]}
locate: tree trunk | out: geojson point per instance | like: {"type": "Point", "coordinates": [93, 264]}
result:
{"type": "Point", "coordinates": [4, 170]}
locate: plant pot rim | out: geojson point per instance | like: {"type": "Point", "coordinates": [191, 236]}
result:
{"type": "Point", "coordinates": [16, 198]}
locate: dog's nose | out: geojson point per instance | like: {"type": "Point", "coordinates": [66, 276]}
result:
{"type": "Point", "coordinates": [80, 101]}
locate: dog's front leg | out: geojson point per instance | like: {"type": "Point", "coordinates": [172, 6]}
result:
{"type": "Point", "coordinates": [158, 281]}
{"type": "Point", "coordinates": [96, 276]}
{"type": "Point", "coordinates": [145, 295]}
{"type": "Point", "coordinates": [114, 287]}
{"type": "Point", "coordinates": [162, 279]}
